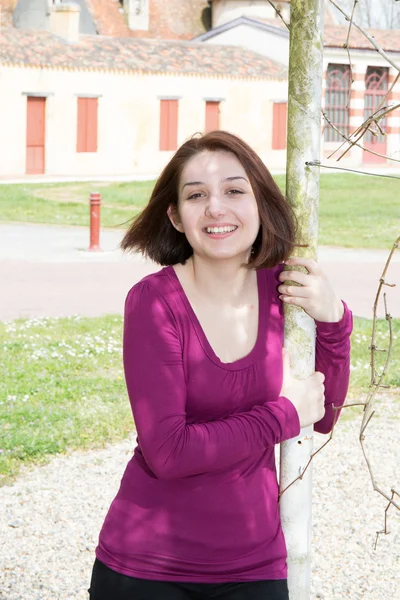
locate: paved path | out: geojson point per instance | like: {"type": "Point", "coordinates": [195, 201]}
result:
{"type": "Point", "coordinates": [47, 271]}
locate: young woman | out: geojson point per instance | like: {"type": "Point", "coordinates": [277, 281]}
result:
{"type": "Point", "coordinates": [196, 515]}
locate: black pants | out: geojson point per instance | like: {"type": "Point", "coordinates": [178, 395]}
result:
{"type": "Point", "coordinates": [107, 584]}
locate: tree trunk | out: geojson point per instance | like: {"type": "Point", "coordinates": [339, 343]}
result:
{"type": "Point", "coordinates": [302, 188]}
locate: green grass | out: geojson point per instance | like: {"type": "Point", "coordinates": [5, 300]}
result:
{"type": "Point", "coordinates": [67, 203]}
{"type": "Point", "coordinates": [355, 211]}
{"type": "Point", "coordinates": [62, 385]}
{"type": "Point", "coordinates": [62, 388]}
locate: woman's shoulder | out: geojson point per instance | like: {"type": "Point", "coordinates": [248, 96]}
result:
{"type": "Point", "coordinates": [152, 284]}
{"type": "Point", "coordinates": [154, 289]}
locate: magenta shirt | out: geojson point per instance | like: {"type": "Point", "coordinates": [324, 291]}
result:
{"type": "Point", "coordinates": [198, 501]}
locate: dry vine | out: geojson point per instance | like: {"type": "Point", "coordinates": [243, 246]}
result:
{"type": "Point", "coordinates": [377, 116]}
{"type": "Point", "coordinates": [375, 384]}
{"type": "Point", "coordinates": [371, 124]}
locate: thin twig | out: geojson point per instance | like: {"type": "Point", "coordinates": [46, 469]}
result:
{"type": "Point", "coordinates": [346, 46]}
{"type": "Point", "coordinates": [364, 127]}
{"type": "Point", "coordinates": [317, 163]}
{"type": "Point", "coordinates": [348, 139]}
{"type": "Point", "coordinates": [385, 529]}
{"type": "Point", "coordinates": [369, 37]}
{"type": "Point", "coordinates": [279, 13]}
{"type": "Point", "coordinates": [386, 97]}
{"type": "Point", "coordinates": [376, 383]}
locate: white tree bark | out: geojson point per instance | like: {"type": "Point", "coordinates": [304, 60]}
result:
{"type": "Point", "coordinates": [302, 189]}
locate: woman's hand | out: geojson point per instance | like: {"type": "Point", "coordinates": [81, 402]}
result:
{"type": "Point", "coordinates": [306, 395]}
{"type": "Point", "coordinates": [314, 293]}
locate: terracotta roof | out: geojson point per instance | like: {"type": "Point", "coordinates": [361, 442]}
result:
{"type": "Point", "coordinates": [335, 36]}
{"type": "Point", "coordinates": [42, 49]}
{"type": "Point", "coordinates": [172, 19]}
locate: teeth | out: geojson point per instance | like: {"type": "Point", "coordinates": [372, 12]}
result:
{"type": "Point", "coordinates": [221, 229]}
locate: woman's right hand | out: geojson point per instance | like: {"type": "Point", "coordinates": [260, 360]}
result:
{"type": "Point", "coordinates": [307, 395]}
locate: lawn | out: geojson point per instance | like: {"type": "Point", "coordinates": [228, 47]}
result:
{"type": "Point", "coordinates": [355, 210]}
{"type": "Point", "coordinates": [62, 385]}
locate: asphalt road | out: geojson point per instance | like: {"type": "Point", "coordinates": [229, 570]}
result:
{"type": "Point", "coordinates": [48, 271]}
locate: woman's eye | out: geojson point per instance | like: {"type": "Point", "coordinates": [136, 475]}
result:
{"type": "Point", "coordinates": [195, 196]}
{"type": "Point", "coordinates": [235, 192]}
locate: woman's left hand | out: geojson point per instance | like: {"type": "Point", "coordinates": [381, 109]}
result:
{"type": "Point", "coordinates": [314, 294]}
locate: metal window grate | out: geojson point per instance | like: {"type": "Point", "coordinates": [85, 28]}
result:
{"type": "Point", "coordinates": [336, 101]}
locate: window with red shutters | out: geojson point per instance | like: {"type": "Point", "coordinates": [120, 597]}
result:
{"type": "Point", "coordinates": [212, 115]}
{"type": "Point", "coordinates": [168, 124]}
{"type": "Point", "coordinates": [279, 125]}
{"type": "Point", "coordinates": [87, 125]}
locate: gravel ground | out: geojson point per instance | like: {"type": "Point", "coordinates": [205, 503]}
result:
{"type": "Point", "coordinates": [51, 517]}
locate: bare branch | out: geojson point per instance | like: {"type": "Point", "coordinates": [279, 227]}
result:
{"type": "Point", "coordinates": [346, 46]}
{"type": "Point", "coordinates": [377, 116]}
{"type": "Point", "coordinates": [376, 383]}
{"type": "Point", "coordinates": [352, 142]}
{"type": "Point", "coordinates": [279, 13]}
{"type": "Point", "coordinates": [369, 37]}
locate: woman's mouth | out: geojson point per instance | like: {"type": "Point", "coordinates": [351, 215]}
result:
{"type": "Point", "coordinates": [221, 230]}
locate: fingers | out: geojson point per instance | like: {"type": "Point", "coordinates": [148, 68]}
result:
{"type": "Point", "coordinates": [297, 276]}
{"type": "Point", "coordinates": [310, 264]}
{"type": "Point", "coordinates": [294, 291]}
{"type": "Point", "coordinates": [295, 301]}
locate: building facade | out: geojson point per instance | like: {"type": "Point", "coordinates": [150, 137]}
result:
{"type": "Point", "coordinates": [120, 101]}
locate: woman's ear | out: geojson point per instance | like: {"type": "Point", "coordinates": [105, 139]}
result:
{"type": "Point", "coordinates": [173, 215]}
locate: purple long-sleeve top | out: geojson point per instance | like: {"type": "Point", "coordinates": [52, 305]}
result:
{"type": "Point", "coordinates": [198, 501]}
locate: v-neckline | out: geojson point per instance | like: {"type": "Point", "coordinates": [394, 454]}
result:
{"type": "Point", "coordinates": [254, 353]}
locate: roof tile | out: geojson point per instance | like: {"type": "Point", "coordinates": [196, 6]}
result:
{"type": "Point", "coordinates": [42, 49]}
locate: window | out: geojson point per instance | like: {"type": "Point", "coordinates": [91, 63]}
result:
{"type": "Point", "coordinates": [279, 125]}
{"type": "Point", "coordinates": [87, 125]}
{"type": "Point", "coordinates": [168, 124]}
{"type": "Point", "coordinates": [376, 87]}
{"type": "Point", "coordinates": [212, 115]}
{"type": "Point", "coordinates": [337, 101]}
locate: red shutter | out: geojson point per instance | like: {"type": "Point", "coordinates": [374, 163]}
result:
{"type": "Point", "coordinates": [279, 125]}
{"type": "Point", "coordinates": [168, 124]}
{"type": "Point", "coordinates": [91, 130]}
{"type": "Point", "coordinates": [35, 125]}
{"type": "Point", "coordinates": [82, 118]}
{"type": "Point", "coordinates": [87, 125]}
{"type": "Point", "coordinates": [212, 116]}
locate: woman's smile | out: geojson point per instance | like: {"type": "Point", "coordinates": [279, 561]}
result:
{"type": "Point", "coordinates": [217, 203]}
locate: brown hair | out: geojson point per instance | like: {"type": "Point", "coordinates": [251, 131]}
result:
{"type": "Point", "coordinates": [153, 234]}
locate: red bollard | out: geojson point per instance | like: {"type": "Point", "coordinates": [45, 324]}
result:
{"type": "Point", "coordinates": [94, 222]}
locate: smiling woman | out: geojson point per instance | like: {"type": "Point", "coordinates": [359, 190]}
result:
{"type": "Point", "coordinates": [153, 233]}
{"type": "Point", "coordinates": [196, 515]}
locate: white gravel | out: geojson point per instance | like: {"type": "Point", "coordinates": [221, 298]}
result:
{"type": "Point", "coordinates": [51, 517]}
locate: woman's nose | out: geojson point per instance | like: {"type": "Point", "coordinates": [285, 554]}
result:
{"type": "Point", "coordinates": [215, 206]}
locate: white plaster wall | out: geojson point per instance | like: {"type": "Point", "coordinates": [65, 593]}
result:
{"type": "Point", "coordinates": [224, 11]}
{"type": "Point", "coordinates": [128, 117]}
{"type": "Point", "coordinates": [274, 47]}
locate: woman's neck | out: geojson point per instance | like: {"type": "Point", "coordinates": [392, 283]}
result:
{"type": "Point", "coordinates": [222, 283]}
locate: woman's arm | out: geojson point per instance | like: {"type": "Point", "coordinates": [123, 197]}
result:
{"type": "Point", "coordinates": [316, 296]}
{"type": "Point", "coordinates": [333, 360]}
{"type": "Point", "coordinates": [155, 381]}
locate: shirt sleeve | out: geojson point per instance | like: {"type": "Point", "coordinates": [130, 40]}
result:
{"type": "Point", "coordinates": [333, 360]}
{"type": "Point", "coordinates": [154, 373]}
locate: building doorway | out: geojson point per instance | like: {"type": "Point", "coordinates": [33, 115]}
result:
{"type": "Point", "coordinates": [35, 135]}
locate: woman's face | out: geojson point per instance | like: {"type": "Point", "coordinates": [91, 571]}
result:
{"type": "Point", "coordinates": [217, 209]}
